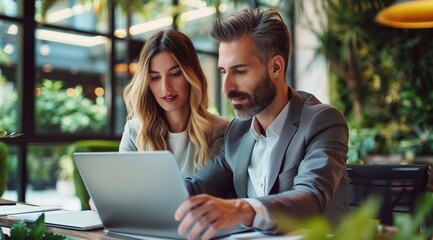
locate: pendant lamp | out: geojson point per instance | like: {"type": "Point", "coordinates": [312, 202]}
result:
{"type": "Point", "coordinates": [407, 14]}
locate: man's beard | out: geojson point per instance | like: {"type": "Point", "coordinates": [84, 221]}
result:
{"type": "Point", "coordinates": [263, 94]}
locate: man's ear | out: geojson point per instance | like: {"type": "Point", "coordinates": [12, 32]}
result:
{"type": "Point", "coordinates": [276, 66]}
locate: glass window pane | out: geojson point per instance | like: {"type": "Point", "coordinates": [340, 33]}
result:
{"type": "Point", "coordinates": [9, 52]}
{"type": "Point", "coordinates": [9, 7]}
{"type": "Point", "coordinates": [196, 17]}
{"type": "Point", "coordinates": [81, 15]}
{"type": "Point", "coordinates": [151, 18]}
{"type": "Point", "coordinates": [50, 177]}
{"type": "Point", "coordinates": [12, 171]}
{"type": "Point", "coordinates": [122, 73]}
{"type": "Point", "coordinates": [70, 88]}
{"type": "Point", "coordinates": [208, 63]}
{"type": "Point", "coordinates": [194, 22]}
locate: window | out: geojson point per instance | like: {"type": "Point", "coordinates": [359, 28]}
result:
{"type": "Point", "coordinates": [79, 15]}
{"type": "Point", "coordinates": [9, 53]}
{"type": "Point", "coordinates": [9, 8]}
{"type": "Point", "coordinates": [63, 67]}
{"type": "Point", "coordinates": [71, 74]}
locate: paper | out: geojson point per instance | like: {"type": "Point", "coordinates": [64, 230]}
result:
{"type": "Point", "coordinates": [77, 220]}
{"type": "Point", "coordinates": [261, 236]}
{"type": "Point", "coordinates": [23, 208]}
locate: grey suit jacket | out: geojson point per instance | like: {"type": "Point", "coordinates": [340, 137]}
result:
{"type": "Point", "coordinates": [310, 176]}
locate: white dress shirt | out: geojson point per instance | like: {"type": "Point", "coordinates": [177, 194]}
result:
{"type": "Point", "coordinates": [259, 167]}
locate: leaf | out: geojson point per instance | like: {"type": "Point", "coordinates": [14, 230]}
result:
{"type": "Point", "coordinates": [53, 236]}
{"type": "Point", "coordinates": [38, 228]}
{"type": "Point", "coordinates": [6, 134]}
{"type": "Point", "coordinates": [361, 224]}
{"type": "Point", "coordinates": [19, 231]}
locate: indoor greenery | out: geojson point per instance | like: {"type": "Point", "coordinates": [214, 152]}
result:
{"type": "Point", "coordinates": [421, 143]}
{"type": "Point", "coordinates": [56, 111]}
{"type": "Point", "coordinates": [42, 165]}
{"type": "Point", "coordinates": [361, 226]}
{"type": "Point", "coordinates": [19, 231]}
{"type": "Point", "coordinates": [361, 143]}
{"type": "Point", "coordinates": [381, 77]}
{"type": "Point", "coordinates": [8, 103]}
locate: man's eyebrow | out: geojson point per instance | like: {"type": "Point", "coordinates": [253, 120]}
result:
{"type": "Point", "coordinates": [239, 65]}
{"type": "Point", "coordinates": [235, 66]}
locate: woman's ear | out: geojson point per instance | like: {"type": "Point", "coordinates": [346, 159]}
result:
{"type": "Point", "coordinates": [276, 66]}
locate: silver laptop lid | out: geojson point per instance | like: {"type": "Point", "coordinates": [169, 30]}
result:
{"type": "Point", "coordinates": [134, 192]}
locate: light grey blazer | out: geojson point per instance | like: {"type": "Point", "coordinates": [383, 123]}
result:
{"type": "Point", "coordinates": [219, 125]}
{"type": "Point", "coordinates": [310, 168]}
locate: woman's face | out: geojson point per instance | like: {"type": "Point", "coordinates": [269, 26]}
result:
{"type": "Point", "coordinates": [168, 84]}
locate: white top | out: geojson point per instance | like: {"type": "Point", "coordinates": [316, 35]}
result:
{"type": "Point", "coordinates": [183, 148]}
{"type": "Point", "coordinates": [179, 143]}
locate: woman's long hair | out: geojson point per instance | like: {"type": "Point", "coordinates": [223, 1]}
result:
{"type": "Point", "coordinates": [141, 103]}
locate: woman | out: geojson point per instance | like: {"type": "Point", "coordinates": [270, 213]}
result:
{"type": "Point", "coordinates": [167, 101]}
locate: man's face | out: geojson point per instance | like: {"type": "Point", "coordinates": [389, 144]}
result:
{"type": "Point", "coordinates": [246, 80]}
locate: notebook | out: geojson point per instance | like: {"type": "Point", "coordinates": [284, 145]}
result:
{"type": "Point", "coordinates": [19, 208]}
{"type": "Point", "coordinates": [76, 220]}
{"type": "Point", "coordinates": [136, 192]}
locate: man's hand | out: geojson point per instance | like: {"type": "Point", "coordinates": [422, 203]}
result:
{"type": "Point", "coordinates": [205, 215]}
{"type": "Point", "coordinates": [92, 205]}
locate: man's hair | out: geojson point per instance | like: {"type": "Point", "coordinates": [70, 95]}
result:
{"type": "Point", "coordinates": [265, 27]}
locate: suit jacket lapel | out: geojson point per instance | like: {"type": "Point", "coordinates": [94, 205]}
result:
{"type": "Point", "coordinates": [241, 167]}
{"type": "Point", "coordinates": [289, 130]}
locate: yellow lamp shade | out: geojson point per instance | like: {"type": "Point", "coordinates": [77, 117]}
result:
{"type": "Point", "coordinates": [410, 14]}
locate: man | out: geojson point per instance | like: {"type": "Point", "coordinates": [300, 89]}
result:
{"type": "Point", "coordinates": [284, 155]}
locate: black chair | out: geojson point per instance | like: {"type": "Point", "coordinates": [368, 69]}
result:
{"type": "Point", "coordinates": [397, 186]}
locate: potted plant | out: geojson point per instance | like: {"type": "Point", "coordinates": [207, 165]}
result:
{"type": "Point", "coordinates": [19, 230]}
{"type": "Point", "coordinates": [361, 143]}
{"type": "Point", "coordinates": [418, 144]}
{"type": "Point", "coordinates": [360, 224]}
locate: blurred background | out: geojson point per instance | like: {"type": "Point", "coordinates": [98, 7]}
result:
{"type": "Point", "coordinates": [64, 63]}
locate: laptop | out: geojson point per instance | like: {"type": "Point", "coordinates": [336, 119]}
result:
{"type": "Point", "coordinates": [136, 193]}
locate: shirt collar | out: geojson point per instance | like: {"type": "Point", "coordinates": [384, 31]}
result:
{"type": "Point", "coordinates": [276, 127]}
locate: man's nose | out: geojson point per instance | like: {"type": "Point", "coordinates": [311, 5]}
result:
{"type": "Point", "coordinates": [227, 83]}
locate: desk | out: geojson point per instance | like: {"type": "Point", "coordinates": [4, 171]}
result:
{"type": "Point", "coordinates": [89, 234]}
{"type": "Point", "coordinates": [100, 233]}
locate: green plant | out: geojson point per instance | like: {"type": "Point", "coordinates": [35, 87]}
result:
{"type": "Point", "coordinates": [360, 224]}
{"type": "Point", "coordinates": [19, 230]}
{"type": "Point", "coordinates": [86, 146]}
{"type": "Point", "coordinates": [56, 111]}
{"type": "Point", "coordinates": [6, 134]}
{"type": "Point", "coordinates": [420, 143]}
{"type": "Point", "coordinates": [373, 72]}
{"type": "Point", "coordinates": [8, 105]}
{"type": "Point", "coordinates": [361, 143]}
{"type": "Point", "coordinates": [42, 164]}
